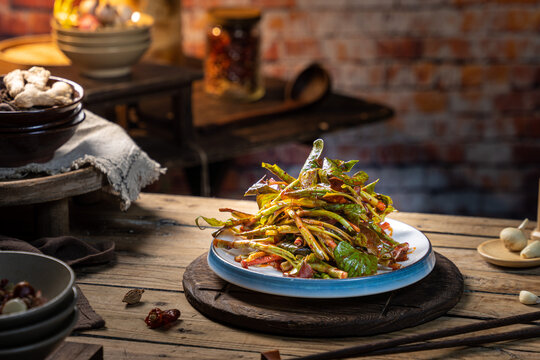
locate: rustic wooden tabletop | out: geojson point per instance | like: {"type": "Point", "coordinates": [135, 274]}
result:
{"type": "Point", "coordinates": [156, 239]}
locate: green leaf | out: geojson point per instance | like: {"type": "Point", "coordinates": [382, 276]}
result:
{"type": "Point", "coordinates": [353, 261]}
{"type": "Point", "coordinates": [312, 160]}
{"type": "Point", "coordinates": [359, 178]}
{"type": "Point", "coordinates": [355, 213]}
{"type": "Point", "coordinates": [261, 187]}
{"type": "Point", "coordinates": [370, 188]}
{"type": "Point", "coordinates": [263, 199]}
{"type": "Point", "coordinates": [209, 221]}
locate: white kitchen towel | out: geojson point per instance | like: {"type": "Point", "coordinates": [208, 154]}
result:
{"type": "Point", "coordinates": [105, 146]}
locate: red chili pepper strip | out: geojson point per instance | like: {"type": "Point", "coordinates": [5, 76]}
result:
{"type": "Point", "coordinates": [381, 206]}
{"type": "Point", "coordinates": [386, 226]}
{"type": "Point", "coordinates": [260, 260]}
{"type": "Point", "coordinates": [157, 318]}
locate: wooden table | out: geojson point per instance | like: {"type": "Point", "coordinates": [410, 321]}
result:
{"type": "Point", "coordinates": [157, 239]}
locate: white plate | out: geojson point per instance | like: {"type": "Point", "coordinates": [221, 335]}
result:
{"type": "Point", "coordinates": [271, 281]}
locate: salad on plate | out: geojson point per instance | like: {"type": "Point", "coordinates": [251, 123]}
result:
{"type": "Point", "coordinates": [326, 223]}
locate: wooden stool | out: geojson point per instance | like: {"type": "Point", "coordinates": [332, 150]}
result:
{"type": "Point", "coordinates": [50, 195]}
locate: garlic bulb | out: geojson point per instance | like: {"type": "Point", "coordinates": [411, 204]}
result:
{"type": "Point", "coordinates": [14, 305]}
{"type": "Point", "coordinates": [106, 14]}
{"type": "Point", "coordinates": [528, 298]}
{"type": "Point", "coordinates": [513, 238]}
{"type": "Point", "coordinates": [531, 251]}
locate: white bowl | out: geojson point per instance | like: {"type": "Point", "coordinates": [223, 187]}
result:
{"type": "Point", "coordinates": [105, 61]}
{"type": "Point", "coordinates": [39, 350]}
{"type": "Point", "coordinates": [53, 277]}
{"type": "Point", "coordinates": [113, 40]}
{"type": "Point", "coordinates": [35, 332]}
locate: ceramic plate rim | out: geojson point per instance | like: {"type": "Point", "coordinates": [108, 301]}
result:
{"type": "Point", "coordinates": [423, 266]}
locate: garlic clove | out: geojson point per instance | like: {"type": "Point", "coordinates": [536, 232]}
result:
{"type": "Point", "coordinates": [528, 298]}
{"type": "Point", "coordinates": [531, 251]}
{"type": "Point", "coordinates": [514, 239]}
{"type": "Point", "coordinates": [14, 306]}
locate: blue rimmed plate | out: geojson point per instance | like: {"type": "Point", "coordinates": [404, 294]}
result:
{"type": "Point", "coordinates": [271, 281]}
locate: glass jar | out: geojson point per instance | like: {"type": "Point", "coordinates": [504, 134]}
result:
{"type": "Point", "coordinates": [232, 64]}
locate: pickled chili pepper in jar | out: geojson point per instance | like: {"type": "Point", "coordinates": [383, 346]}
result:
{"type": "Point", "coordinates": [232, 64]}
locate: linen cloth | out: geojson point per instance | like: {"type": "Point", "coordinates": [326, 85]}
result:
{"type": "Point", "coordinates": [105, 146]}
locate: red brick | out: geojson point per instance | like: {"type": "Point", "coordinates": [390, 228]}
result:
{"type": "Point", "coordinates": [33, 4]}
{"type": "Point", "coordinates": [17, 23]}
{"type": "Point", "coordinates": [472, 75]}
{"type": "Point", "coordinates": [302, 48]}
{"type": "Point", "coordinates": [498, 74]}
{"type": "Point", "coordinates": [275, 22]}
{"type": "Point", "coordinates": [431, 102]}
{"type": "Point", "coordinates": [39, 23]}
{"type": "Point", "coordinates": [271, 52]}
{"type": "Point", "coordinates": [472, 20]}
{"type": "Point", "coordinates": [519, 20]}
{"type": "Point", "coordinates": [524, 77]}
{"type": "Point", "coordinates": [269, 4]}
{"type": "Point", "coordinates": [424, 73]}
{"type": "Point", "coordinates": [526, 153]}
{"type": "Point", "coordinates": [517, 101]}
{"type": "Point", "coordinates": [399, 48]}
{"type": "Point", "coordinates": [460, 48]}
{"type": "Point", "coordinates": [526, 126]}
{"type": "Point", "coordinates": [447, 48]}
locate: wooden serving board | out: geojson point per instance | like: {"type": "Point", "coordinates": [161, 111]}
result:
{"type": "Point", "coordinates": [418, 303]}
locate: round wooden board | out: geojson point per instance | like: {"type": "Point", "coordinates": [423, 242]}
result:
{"type": "Point", "coordinates": [418, 303]}
{"type": "Point", "coordinates": [23, 52]}
{"type": "Point", "coordinates": [48, 188]}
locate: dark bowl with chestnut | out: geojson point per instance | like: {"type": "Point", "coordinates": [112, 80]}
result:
{"type": "Point", "coordinates": [38, 304]}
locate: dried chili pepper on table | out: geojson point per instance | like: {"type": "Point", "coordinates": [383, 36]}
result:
{"type": "Point", "coordinates": [158, 318]}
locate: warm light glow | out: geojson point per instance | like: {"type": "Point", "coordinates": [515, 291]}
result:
{"type": "Point", "coordinates": [73, 18]}
{"type": "Point", "coordinates": [216, 31]}
{"type": "Point", "coordinates": [136, 16]}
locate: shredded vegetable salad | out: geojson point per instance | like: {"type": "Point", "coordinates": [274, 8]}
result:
{"type": "Point", "coordinates": [323, 224]}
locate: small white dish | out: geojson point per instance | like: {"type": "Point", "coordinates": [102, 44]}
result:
{"type": "Point", "coordinates": [271, 281]}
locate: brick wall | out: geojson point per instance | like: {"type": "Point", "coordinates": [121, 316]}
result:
{"type": "Point", "coordinates": [25, 17]}
{"type": "Point", "coordinates": [462, 75]}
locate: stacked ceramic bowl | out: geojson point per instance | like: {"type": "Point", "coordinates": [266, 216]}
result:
{"type": "Point", "coordinates": [34, 333]}
{"type": "Point", "coordinates": [105, 52]}
{"type": "Point", "coordinates": [33, 135]}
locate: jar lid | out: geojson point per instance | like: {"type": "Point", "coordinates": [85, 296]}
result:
{"type": "Point", "coordinates": [234, 15]}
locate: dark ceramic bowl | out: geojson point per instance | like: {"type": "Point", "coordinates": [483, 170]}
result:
{"type": "Point", "coordinates": [39, 330]}
{"type": "Point", "coordinates": [70, 116]}
{"type": "Point", "coordinates": [42, 116]}
{"type": "Point", "coordinates": [18, 149]}
{"type": "Point", "coordinates": [41, 349]}
{"type": "Point", "coordinates": [53, 277]}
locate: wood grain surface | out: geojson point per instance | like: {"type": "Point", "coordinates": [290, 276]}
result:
{"type": "Point", "coordinates": [157, 239]}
